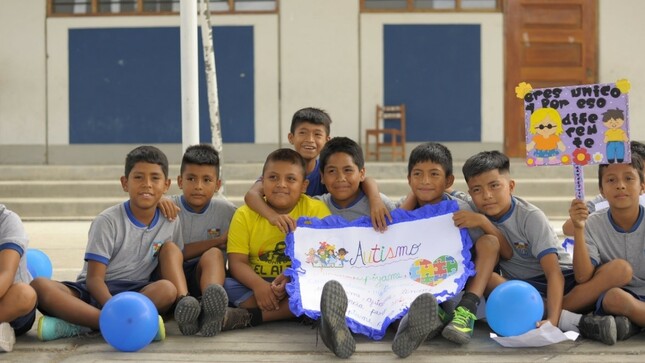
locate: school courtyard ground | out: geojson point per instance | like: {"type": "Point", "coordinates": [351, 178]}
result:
{"type": "Point", "coordinates": [64, 242]}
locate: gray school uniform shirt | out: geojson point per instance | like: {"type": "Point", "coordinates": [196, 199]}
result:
{"type": "Point", "coordinates": [606, 242]}
{"type": "Point", "coordinates": [128, 248]}
{"type": "Point", "coordinates": [210, 223]}
{"type": "Point", "coordinates": [531, 237]}
{"type": "Point", "coordinates": [359, 208]}
{"type": "Point", "coordinates": [14, 237]}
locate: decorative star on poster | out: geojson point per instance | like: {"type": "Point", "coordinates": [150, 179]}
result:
{"type": "Point", "coordinates": [382, 273]}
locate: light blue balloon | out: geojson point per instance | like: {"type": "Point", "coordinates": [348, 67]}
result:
{"type": "Point", "coordinates": [513, 308]}
{"type": "Point", "coordinates": [129, 321]}
{"type": "Point", "coordinates": [38, 264]}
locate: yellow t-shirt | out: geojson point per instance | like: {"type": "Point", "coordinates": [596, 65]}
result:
{"type": "Point", "coordinates": [615, 135]}
{"type": "Point", "coordinates": [252, 235]}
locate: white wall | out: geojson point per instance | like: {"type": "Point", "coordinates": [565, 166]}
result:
{"type": "Point", "coordinates": [22, 72]}
{"type": "Point", "coordinates": [492, 62]}
{"type": "Point", "coordinates": [621, 54]}
{"type": "Point", "coordinates": [320, 52]}
{"type": "Point", "coordinates": [319, 61]}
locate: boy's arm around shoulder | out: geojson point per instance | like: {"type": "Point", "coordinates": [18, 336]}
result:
{"type": "Point", "coordinates": [379, 212]}
{"type": "Point", "coordinates": [254, 198]}
{"type": "Point", "coordinates": [583, 269]}
{"type": "Point", "coordinates": [470, 219]}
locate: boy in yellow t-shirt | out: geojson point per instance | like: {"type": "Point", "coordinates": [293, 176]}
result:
{"type": "Point", "coordinates": [255, 247]}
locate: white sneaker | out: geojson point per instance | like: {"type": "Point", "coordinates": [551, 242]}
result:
{"type": "Point", "coordinates": [7, 337]}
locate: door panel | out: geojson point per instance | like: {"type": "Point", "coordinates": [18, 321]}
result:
{"type": "Point", "coordinates": [548, 43]}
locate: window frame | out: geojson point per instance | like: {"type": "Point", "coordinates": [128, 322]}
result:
{"type": "Point", "coordinates": [410, 8]}
{"type": "Point", "coordinates": [94, 10]}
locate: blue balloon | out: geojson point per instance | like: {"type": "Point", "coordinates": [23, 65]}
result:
{"type": "Point", "coordinates": [129, 321]}
{"type": "Point", "coordinates": [38, 264]}
{"type": "Point", "coordinates": [513, 308]}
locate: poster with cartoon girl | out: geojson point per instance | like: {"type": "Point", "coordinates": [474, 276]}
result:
{"type": "Point", "coordinates": [546, 126]}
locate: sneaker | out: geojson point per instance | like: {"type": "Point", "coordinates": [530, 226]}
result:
{"type": "Point", "coordinates": [460, 329]}
{"type": "Point", "coordinates": [214, 303]}
{"type": "Point", "coordinates": [444, 319]}
{"type": "Point", "coordinates": [50, 328]}
{"type": "Point", "coordinates": [415, 326]}
{"type": "Point", "coordinates": [333, 327]}
{"type": "Point", "coordinates": [7, 337]}
{"type": "Point", "coordinates": [599, 328]}
{"type": "Point", "coordinates": [161, 332]}
{"type": "Point", "coordinates": [625, 328]}
{"type": "Point", "coordinates": [236, 318]}
{"type": "Point", "coordinates": [187, 315]}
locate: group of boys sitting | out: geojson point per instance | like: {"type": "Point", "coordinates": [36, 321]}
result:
{"type": "Point", "coordinates": [174, 250]}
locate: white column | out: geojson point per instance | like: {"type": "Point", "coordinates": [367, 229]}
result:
{"type": "Point", "coordinates": [189, 81]}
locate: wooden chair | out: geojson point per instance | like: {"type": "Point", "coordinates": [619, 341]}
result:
{"type": "Point", "coordinates": [387, 136]}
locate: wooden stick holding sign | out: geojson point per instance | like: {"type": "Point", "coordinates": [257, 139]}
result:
{"type": "Point", "coordinates": [579, 125]}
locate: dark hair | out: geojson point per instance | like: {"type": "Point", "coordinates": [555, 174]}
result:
{"type": "Point", "coordinates": [637, 148]}
{"type": "Point", "coordinates": [312, 115]}
{"type": "Point", "coordinates": [434, 152]}
{"type": "Point", "coordinates": [341, 145]}
{"type": "Point", "coordinates": [636, 163]}
{"type": "Point", "coordinates": [486, 161]}
{"type": "Point", "coordinates": [146, 154]}
{"type": "Point", "coordinates": [288, 155]}
{"type": "Point", "coordinates": [615, 114]}
{"type": "Point", "coordinates": [202, 154]}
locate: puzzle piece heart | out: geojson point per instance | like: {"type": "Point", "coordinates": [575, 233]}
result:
{"type": "Point", "coordinates": [433, 273]}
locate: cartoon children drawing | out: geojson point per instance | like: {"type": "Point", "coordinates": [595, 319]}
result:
{"type": "Point", "coordinates": [615, 136]}
{"type": "Point", "coordinates": [546, 125]}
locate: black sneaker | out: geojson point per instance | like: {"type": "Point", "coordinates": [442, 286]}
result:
{"type": "Point", "coordinates": [416, 325]}
{"type": "Point", "coordinates": [625, 328]}
{"type": "Point", "coordinates": [187, 315]}
{"type": "Point", "coordinates": [444, 319]}
{"type": "Point", "coordinates": [333, 328]}
{"type": "Point", "coordinates": [214, 303]}
{"type": "Point", "coordinates": [599, 328]}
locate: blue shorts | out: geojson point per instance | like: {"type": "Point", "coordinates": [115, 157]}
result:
{"type": "Point", "coordinates": [115, 287]}
{"type": "Point", "coordinates": [545, 153]}
{"type": "Point", "coordinates": [24, 323]}
{"type": "Point", "coordinates": [238, 292]}
{"type": "Point", "coordinates": [540, 282]}
{"type": "Point", "coordinates": [190, 270]}
{"type": "Point", "coordinates": [600, 311]}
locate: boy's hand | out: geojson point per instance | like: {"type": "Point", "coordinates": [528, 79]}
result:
{"type": "Point", "coordinates": [284, 222]}
{"type": "Point", "coordinates": [380, 215]}
{"type": "Point", "coordinates": [279, 286]}
{"type": "Point", "coordinates": [578, 213]}
{"type": "Point", "coordinates": [265, 298]}
{"type": "Point", "coordinates": [168, 208]}
{"type": "Point", "coordinates": [468, 219]}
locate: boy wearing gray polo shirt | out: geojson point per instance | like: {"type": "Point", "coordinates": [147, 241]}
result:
{"type": "Point", "coordinates": [204, 223]}
{"type": "Point", "coordinates": [532, 252]}
{"type": "Point", "coordinates": [609, 247]}
{"type": "Point", "coordinates": [18, 300]}
{"type": "Point", "coordinates": [126, 244]}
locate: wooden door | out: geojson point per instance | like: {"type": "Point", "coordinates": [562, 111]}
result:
{"type": "Point", "coordinates": [548, 43]}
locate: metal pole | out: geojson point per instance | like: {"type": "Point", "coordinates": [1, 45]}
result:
{"type": "Point", "coordinates": [189, 80]}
